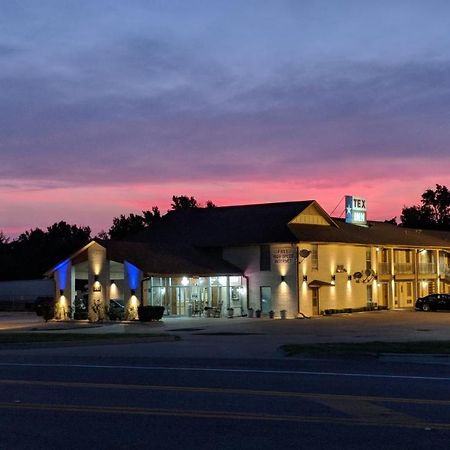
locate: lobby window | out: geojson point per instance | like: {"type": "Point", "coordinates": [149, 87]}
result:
{"type": "Point", "coordinates": [264, 257]}
{"type": "Point", "coordinates": [315, 257]}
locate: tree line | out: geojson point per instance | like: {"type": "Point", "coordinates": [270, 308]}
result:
{"type": "Point", "coordinates": [37, 250]}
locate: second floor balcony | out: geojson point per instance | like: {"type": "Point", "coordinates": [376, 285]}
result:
{"type": "Point", "coordinates": [384, 268]}
{"type": "Point", "coordinates": [428, 267]}
{"type": "Point", "coordinates": [403, 268]}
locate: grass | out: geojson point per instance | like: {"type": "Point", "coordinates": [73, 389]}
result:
{"type": "Point", "coordinates": [427, 347]}
{"type": "Point", "coordinates": [33, 337]}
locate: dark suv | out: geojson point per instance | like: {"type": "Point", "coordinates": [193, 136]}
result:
{"type": "Point", "coordinates": [433, 302]}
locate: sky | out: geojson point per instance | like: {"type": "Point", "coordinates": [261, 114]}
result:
{"type": "Point", "coordinates": [111, 107]}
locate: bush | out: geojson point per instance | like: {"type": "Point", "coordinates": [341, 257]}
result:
{"type": "Point", "coordinates": [45, 307]}
{"type": "Point", "coordinates": [149, 313]}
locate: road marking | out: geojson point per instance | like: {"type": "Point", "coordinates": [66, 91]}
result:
{"type": "Point", "coordinates": [218, 415]}
{"type": "Point", "coordinates": [228, 391]}
{"type": "Point", "coordinates": [206, 369]}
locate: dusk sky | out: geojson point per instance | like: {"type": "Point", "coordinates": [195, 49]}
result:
{"type": "Point", "coordinates": [110, 107]}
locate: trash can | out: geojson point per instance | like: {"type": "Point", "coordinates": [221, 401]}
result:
{"type": "Point", "coordinates": [250, 313]}
{"type": "Point", "coordinates": [258, 313]}
{"type": "Point", "coordinates": [230, 312]}
{"type": "Point", "coordinates": [283, 313]}
{"type": "Point", "coordinates": [189, 310]}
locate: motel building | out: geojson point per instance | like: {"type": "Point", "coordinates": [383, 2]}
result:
{"type": "Point", "coordinates": [291, 258]}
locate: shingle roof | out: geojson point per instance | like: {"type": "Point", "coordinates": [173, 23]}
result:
{"type": "Point", "coordinates": [228, 226]}
{"type": "Point", "coordinates": [377, 233]}
{"type": "Point", "coordinates": [160, 259]}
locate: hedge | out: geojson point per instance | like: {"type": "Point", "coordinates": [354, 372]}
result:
{"type": "Point", "coordinates": [149, 313]}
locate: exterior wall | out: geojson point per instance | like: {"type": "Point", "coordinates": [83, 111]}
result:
{"type": "Point", "coordinates": [283, 261]}
{"type": "Point", "coordinates": [345, 293]}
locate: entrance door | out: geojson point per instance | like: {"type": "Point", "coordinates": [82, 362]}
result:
{"type": "Point", "coordinates": [266, 299]}
{"type": "Point", "coordinates": [315, 301]}
{"type": "Point", "coordinates": [403, 294]}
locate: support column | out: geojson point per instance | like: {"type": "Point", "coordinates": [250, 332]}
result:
{"type": "Point", "coordinates": [98, 283]}
{"type": "Point", "coordinates": [64, 291]}
{"type": "Point", "coordinates": [132, 290]}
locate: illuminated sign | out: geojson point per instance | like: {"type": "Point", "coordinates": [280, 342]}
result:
{"type": "Point", "coordinates": [355, 210]}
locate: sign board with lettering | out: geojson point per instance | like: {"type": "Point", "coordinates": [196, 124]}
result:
{"type": "Point", "coordinates": [282, 255]}
{"type": "Point", "coordinates": [355, 210]}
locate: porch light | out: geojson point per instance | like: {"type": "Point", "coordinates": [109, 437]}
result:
{"type": "Point", "coordinates": [184, 281]}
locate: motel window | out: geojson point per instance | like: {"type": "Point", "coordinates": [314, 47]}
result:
{"type": "Point", "coordinates": [408, 256]}
{"type": "Point", "coordinates": [314, 257]}
{"type": "Point", "coordinates": [409, 289]}
{"type": "Point", "coordinates": [368, 258]}
{"type": "Point", "coordinates": [264, 257]}
{"type": "Point", "coordinates": [369, 295]}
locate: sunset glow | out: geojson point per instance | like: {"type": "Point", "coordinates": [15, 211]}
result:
{"type": "Point", "coordinates": [108, 114]}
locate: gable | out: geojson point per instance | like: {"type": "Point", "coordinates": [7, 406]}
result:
{"type": "Point", "coordinates": [313, 215]}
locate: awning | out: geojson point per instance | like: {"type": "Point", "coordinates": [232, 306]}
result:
{"type": "Point", "coordinates": [319, 283]}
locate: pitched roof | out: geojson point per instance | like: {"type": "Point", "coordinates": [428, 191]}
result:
{"type": "Point", "coordinates": [160, 259]}
{"type": "Point", "coordinates": [227, 226]}
{"type": "Point", "coordinates": [376, 233]}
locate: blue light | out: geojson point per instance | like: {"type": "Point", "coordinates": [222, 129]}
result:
{"type": "Point", "coordinates": [133, 275]}
{"type": "Point", "coordinates": [62, 273]}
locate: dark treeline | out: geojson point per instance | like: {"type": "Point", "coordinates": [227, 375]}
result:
{"type": "Point", "coordinates": [37, 250]}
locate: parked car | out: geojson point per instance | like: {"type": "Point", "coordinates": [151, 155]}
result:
{"type": "Point", "coordinates": [433, 302]}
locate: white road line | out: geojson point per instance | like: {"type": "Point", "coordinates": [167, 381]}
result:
{"type": "Point", "coordinates": [204, 369]}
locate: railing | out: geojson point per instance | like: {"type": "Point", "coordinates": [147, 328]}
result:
{"type": "Point", "coordinates": [384, 268]}
{"type": "Point", "coordinates": [403, 268]}
{"type": "Point", "coordinates": [427, 268]}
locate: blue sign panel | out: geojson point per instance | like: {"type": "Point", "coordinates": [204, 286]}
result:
{"type": "Point", "coordinates": [355, 210]}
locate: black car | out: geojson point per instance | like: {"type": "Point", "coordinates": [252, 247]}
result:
{"type": "Point", "coordinates": [433, 302]}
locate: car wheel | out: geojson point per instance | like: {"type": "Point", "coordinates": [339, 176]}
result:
{"type": "Point", "coordinates": [426, 307]}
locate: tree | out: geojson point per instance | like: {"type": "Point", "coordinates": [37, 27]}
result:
{"type": "Point", "coordinates": [36, 250]}
{"type": "Point", "coordinates": [3, 239]}
{"type": "Point", "coordinates": [432, 213]}
{"type": "Point", "coordinates": [184, 202]}
{"type": "Point", "coordinates": [210, 204]}
{"type": "Point", "coordinates": [125, 226]}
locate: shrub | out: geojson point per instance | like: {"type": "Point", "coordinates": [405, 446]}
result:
{"type": "Point", "coordinates": [149, 313]}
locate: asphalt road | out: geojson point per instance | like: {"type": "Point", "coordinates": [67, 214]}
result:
{"type": "Point", "coordinates": [122, 402]}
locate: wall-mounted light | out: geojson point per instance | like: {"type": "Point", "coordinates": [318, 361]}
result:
{"type": "Point", "coordinates": [333, 277]}
{"type": "Point", "coordinates": [375, 277]}
{"type": "Point", "coordinates": [95, 278]}
{"type": "Point", "coordinates": [393, 277]}
{"type": "Point", "coordinates": [283, 279]}
{"type": "Point", "coordinates": [305, 278]}
{"type": "Point", "coordinates": [133, 291]}
{"type": "Point", "coordinates": [112, 282]}
{"type": "Point", "coordinates": [61, 292]}
{"type": "Point", "coordinates": [349, 278]}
